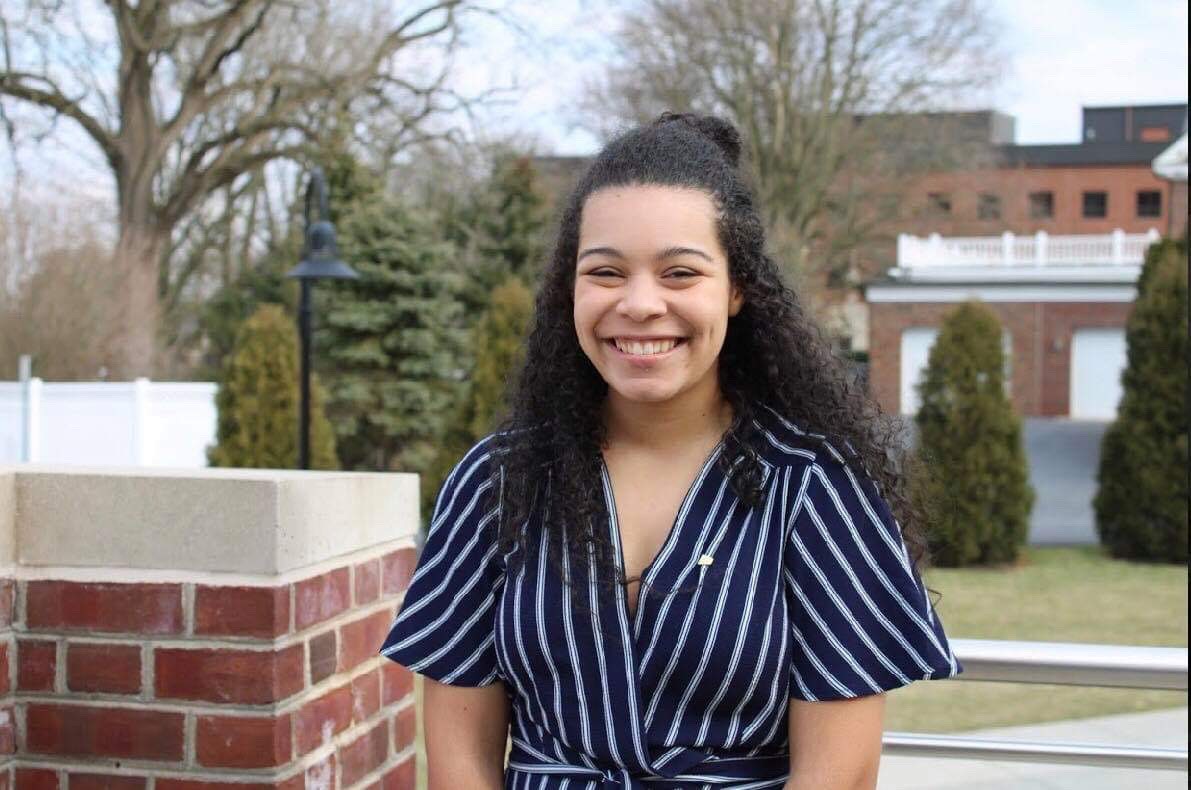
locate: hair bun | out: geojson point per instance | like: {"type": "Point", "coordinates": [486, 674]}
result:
{"type": "Point", "coordinates": [716, 129]}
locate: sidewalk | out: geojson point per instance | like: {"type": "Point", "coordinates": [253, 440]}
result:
{"type": "Point", "coordinates": [1164, 728]}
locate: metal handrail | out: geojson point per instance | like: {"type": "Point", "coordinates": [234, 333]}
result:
{"type": "Point", "coordinates": [1062, 663]}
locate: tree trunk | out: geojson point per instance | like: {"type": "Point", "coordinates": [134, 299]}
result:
{"type": "Point", "coordinates": [137, 261]}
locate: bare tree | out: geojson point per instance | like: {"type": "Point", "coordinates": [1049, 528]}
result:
{"type": "Point", "coordinates": [186, 99]}
{"type": "Point", "coordinates": [55, 304]}
{"type": "Point", "coordinates": [828, 94]}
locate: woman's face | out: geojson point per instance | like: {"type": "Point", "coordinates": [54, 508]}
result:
{"type": "Point", "coordinates": [652, 292]}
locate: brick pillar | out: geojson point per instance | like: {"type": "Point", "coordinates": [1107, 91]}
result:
{"type": "Point", "coordinates": [203, 629]}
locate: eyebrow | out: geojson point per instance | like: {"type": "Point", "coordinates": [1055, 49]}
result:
{"type": "Point", "coordinates": [669, 252]}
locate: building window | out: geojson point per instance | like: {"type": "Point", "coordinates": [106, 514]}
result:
{"type": "Point", "coordinates": [1095, 205]}
{"type": "Point", "coordinates": [938, 204]}
{"type": "Point", "coordinates": [988, 206]}
{"type": "Point", "coordinates": [1154, 134]}
{"type": "Point", "coordinates": [1042, 205]}
{"type": "Point", "coordinates": [1149, 203]}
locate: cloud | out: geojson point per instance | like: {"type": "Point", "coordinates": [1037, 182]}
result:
{"type": "Point", "coordinates": [1070, 53]}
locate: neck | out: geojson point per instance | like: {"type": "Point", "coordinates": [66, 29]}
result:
{"type": "Point", "coordinates": [698, 414]}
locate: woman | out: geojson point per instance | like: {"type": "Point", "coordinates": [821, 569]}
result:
{"type": "Point", "coordinates": [678, 564]}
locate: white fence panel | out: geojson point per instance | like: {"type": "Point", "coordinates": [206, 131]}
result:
{"type": "Point", "coordinates": [140, 423]}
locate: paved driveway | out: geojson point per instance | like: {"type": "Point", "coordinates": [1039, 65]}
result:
{"type": "Point", "coordinates": [1064, 456]}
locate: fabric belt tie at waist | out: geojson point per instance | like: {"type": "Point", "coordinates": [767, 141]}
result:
{"type": "Point", "coordinates": [609, 778]}
{"type": "Point", "coordinates": [621, 778]}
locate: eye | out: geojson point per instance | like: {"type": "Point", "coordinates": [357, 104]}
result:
{"type": "Point", "coordinates": [682, 273]}
{"type": "Point", "coordinates": [603, 272]}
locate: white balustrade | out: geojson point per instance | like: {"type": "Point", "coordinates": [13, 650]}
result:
{"type": "Point", "coordinates": [1011, 250]}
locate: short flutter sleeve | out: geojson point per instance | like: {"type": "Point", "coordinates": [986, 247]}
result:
{"type": "Point", "coordinates": [445, 628]}
{"type": "Point", "coordinates": [860, 619]}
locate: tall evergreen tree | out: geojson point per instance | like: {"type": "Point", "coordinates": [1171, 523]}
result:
{"type": "Point", "coordinates": [975, 478]}
{"type": "Point", "coordinates": [258, 400]}
{"type": "Point", "coordinates": [393, 339]}
{"type": "Point", "coordinates": [507, 222]}
{"type": "Point", "coordinates": [497, 341]}
{"type": "Point", "coordinates": [1141, 504]}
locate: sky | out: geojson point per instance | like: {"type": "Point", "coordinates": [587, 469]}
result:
{"type": "Point", "coordinates": [1060, 54]}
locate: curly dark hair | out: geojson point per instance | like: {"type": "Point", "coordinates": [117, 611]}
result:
{"type": "Point", "coordinates": [774, 355]}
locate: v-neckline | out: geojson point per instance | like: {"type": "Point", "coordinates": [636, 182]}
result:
{"type": "Point", "coordinates": [675, 527]}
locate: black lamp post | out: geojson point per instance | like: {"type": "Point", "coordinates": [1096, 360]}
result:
{"type": "Point", "coordinates": [320, 260]}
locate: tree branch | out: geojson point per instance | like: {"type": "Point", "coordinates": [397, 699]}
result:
{"type": "Point", "coordinates": [15, 84]}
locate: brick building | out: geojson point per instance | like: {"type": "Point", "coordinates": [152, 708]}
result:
{"type": "Point", "coordinates": [1051, 237]}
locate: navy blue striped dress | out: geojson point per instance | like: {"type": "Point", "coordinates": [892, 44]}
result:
{"type": "Point", "coordinates": [810, 595]}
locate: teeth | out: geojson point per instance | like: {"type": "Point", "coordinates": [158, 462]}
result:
{"type": "Point", "coordinates": [638, 348]}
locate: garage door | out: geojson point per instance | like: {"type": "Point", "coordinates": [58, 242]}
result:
{"type": "Point", "coordinates": [916, 343]}
{"type": "Point", "coordinates": [1097, 359]}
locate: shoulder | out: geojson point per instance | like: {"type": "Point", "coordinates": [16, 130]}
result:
{"type": "Point", "coordinates": [809, 456]}
{"type": "Point", "coordinates": [785, 443]}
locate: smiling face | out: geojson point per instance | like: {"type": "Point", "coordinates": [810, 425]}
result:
{"type": "Point", "coordinates": [652, 292]}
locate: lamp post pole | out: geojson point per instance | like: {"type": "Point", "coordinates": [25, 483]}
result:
{"type": "Point", "coordinates": [304, 329]}
{"type": "Point", "coordinates": [320, 260]}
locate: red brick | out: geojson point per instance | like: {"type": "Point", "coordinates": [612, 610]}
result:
{"type": "Point", "coordinates": [106, 782]}
{"type": "Point", "coordinates": [367, 576]}
{"type": "Point", "coordinates": [405, 728]}
{"type": "Point", "coordinates": [37, 779]}
{"type": "Point", "coordinates": [321, 719]}
{"type": "Point", "coordinates": [7, 601]}
{"type": "Point", "coordinates": [115, 669]}
{"type": "Point", "coordinates": [104, 608]}
{"type": "Point", "coordinates": [397, 567]}
{"type": "Point", "coordinates": [364, 755]}
{"type": "Point", "coordinates": [403, 777]}
{"type": "Point", "coordinates": [8, 732]}
{"type": "Point", "coordinates": [397, 682]}
{"type": "Point", "coordinates": [103, 731]}
{"type": "Point", "coordinates": [5, 674]}
{"type": "Point", "coordinates": [361, 640]}
{"type": "Point", "coordinates": [36, 664]}
{"type": "Point", "coordinates": [248, 677]}
{"type": "Point", "coordinates": [321, 597]}
{"type": "Point", "coordinates": [241, 611]}
{"type": "Point", "coordinates": [365, 695]}
{"type": "Point", "coordinates": [242, 741]}
{"type": "Point", "coordinates": [323, 655]}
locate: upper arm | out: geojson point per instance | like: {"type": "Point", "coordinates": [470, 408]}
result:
{"type": "Point", "coordinates": [860, 620]}
{"type": "Point", "coordinates": [836, 744]}
{"type": "Point", "coordinates": [466, 732]}
{"type": "Point", "coordinates": [445, 628]}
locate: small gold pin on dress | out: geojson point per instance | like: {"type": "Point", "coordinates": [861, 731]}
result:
{"type": "Point", "coordinates": [706, 559]}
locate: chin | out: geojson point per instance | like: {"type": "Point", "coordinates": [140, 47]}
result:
{"type": "Point", "coordinates": [645, 392]}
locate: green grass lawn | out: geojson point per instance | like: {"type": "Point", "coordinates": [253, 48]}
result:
{"type": "Point", "coordinates": [1051, 595]}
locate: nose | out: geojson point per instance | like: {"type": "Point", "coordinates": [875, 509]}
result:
{"type": "Point", "coordinates": [641, 299]}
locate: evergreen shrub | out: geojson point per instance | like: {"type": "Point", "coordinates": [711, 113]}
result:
{"type": "Point", "coordinates": [974, 476]}
{"type": "Point", "coordinates": [258, 400]}
{"type": "Point", "coordinates": [1141, 502]}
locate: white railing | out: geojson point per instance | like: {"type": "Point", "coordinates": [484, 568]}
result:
{"type": "Point", "coordinates": [1009, 250]}
{"type": "Point", "coordinates": [101, 423]}
{"type": "Point", "coordinates": [1109, 666]}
